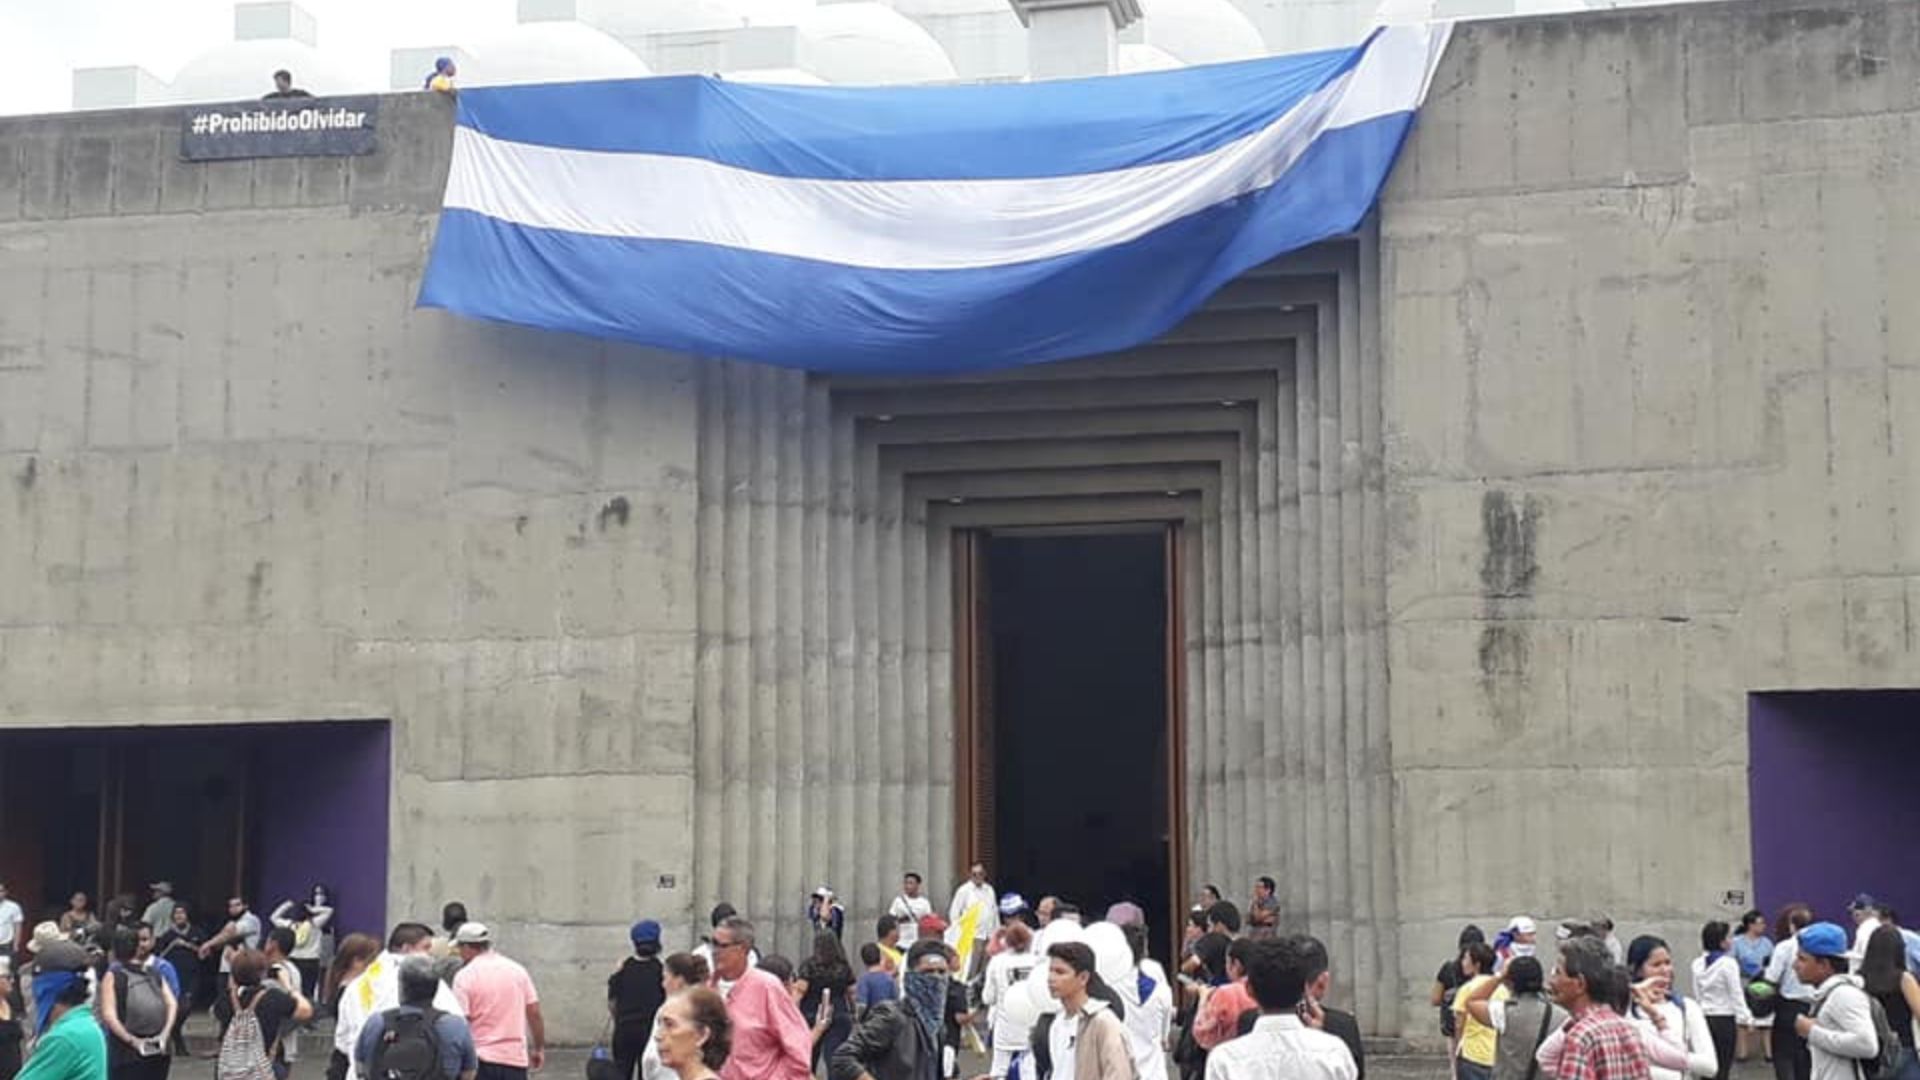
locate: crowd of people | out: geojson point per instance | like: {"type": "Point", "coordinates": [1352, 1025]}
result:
{"type": "Point", "coordinates": [1817, 1001]}
{"type": "Point", "coordinates": [1041, 990]}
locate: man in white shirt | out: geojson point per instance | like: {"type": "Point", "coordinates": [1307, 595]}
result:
{"type": "Point", "coordinates": [1840, 1030]}
{"type": "Point", "coordinates": [909, 908]}
{"type": "Point", "coordinates": [377, 989]}
{"type": "Point", "coordinates": [1866, 919]}
{"type": "Point", "coordinates": [974, 892]}
{"type": "Point", "coordinates": [1286, 1042]}
{"type": "Point", "coordinates": [1790, 1060]}
{"type": "Point", "coordinates": [11, 920]}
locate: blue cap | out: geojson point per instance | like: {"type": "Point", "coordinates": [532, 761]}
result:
{"type": "Point", "coordinates": [644, 932]}
{"type": "Point", "coordinates": [1012, 904]}
{"type": "Point", "coordinates": [1823, 939]}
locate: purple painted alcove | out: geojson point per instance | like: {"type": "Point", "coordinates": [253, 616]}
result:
{"type": "Point", "coordinates": [324, 795]}
{"type": "Point", "coordinates": [1834, 804]}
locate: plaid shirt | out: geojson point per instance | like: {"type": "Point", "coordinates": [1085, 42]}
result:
{"type": "Point", "coordinates": [1601, 1046]}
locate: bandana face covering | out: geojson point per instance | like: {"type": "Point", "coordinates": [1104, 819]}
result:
{"type": "Point", "coordinates": [927, 997]}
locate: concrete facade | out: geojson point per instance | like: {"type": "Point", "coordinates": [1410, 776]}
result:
{"type": "Point", "coordinates": [1494, 512]}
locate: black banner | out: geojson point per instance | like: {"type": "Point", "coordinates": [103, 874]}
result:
{"type": "Point", "coordinates": [284, 127]}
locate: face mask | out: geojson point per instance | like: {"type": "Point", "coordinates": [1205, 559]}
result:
{"type": "Point", "coordinates": [927, 997]}
{"type": "Point", "coordinates": [1522, 948]}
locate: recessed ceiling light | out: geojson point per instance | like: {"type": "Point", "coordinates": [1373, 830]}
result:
{"type": "Point", "coordinates": [956, 500]}
{"type": "Point", "coordinates": [1173, 493]}
{"type": "Point", "coordinates": [1286, 307]}
{"type": "Point", "coordinates": [1228, 403]}
{"type": "Point", "coordinates": [885, 418]}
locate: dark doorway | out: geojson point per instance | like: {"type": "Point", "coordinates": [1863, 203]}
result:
{"type": "Point", "coordinates": [1831, 798]}
{"type": "Point", "coordinates": [261, 810]}
{"type": "Point", "coordinates": [1075, 741]}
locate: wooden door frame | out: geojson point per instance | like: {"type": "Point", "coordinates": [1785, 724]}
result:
{"type": "Point", "coordinates": [973, 802]}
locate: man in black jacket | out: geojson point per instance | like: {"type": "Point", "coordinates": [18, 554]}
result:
{"type": "Point", "coordinates": [1336, 1022]}
{"type": "Point", "coordinates": [901, 1040]}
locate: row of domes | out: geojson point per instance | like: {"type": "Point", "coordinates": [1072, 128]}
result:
{"type": "Point", "coordinates": [864, 42]}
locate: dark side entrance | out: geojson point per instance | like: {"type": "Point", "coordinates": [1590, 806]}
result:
{"type": "Point", "coordinates": [1069, 707]}
{"type": "Point", "coordinates": [263, 811]}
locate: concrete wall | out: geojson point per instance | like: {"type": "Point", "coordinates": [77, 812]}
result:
{"type": "Point", "coordinates": [1653, 411]}
{"type": "Point", "coordinates": [245, 481]}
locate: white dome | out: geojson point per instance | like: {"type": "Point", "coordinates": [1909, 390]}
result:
{"type": "Point", "coordinates": [1138, 58]}
{"type": "Point", "coordinates": [867, 43]}
{"type": "Point", "coordinates": [539, 52]}
{"type": "Point", "coordinates": [639, 18]}
{"type": "Point", "coordinates": [1201, 31]}
{"type": "Point", "coordinates": [244, 69]}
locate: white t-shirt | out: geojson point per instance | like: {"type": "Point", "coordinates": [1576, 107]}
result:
{"type": "Point", "coordinates": [248, 924]}
{"type": "Point", "coordinates": [909, 910]}
{"type": "Point", "coordinates": [10, 919]}
{"type": "Point", "coordinates": [1062, 1036]}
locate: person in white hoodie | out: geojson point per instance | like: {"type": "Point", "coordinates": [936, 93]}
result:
{"type": "Point", "coordinates": [1721, 992]}
{"type": "Point", "coordinates": [1148, 1011]}
{"type": "Point", "coordinates": [1839, 1029]}
{"type": "Point", "coordinates": [1676, 1020]}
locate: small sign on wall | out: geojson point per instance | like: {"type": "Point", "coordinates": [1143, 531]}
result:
{"type": "Point", "coordinates": [1734, 898]}
{"type": "Point", "coordinates": [666, 881]}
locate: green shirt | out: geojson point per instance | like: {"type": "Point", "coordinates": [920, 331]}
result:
{"type": "Point", "coordinates": [72, 1049]}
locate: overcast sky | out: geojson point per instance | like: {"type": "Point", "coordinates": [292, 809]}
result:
{"type": "Point", "coordinates": [41, 41]}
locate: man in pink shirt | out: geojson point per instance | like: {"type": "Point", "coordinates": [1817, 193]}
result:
{"type": "Point", "coordinates": [770, 1040]}
{"type": "Point", "coordinates": [502, 1007]}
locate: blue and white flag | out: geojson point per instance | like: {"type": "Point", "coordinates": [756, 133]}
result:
{"type": "Point", "coordinates": [910, 229]}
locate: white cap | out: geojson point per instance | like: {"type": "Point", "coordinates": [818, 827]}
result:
{"type": "Point", "coordinates": [1521, 925]}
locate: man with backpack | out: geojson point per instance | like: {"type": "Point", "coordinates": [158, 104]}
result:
{"type": "Point", "coordinates": [414, 1040]}
{"type": "Point", "coordinates": [137, 1010]}
{"type": "Point", "coordinates": [1846, 1031]}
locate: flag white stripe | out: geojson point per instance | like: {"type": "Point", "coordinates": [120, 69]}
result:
{"type": "Point", "coordinates": [917, 224]}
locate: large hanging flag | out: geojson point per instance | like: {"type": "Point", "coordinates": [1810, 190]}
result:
{"type": "Point", "coordinates": [904, 230]}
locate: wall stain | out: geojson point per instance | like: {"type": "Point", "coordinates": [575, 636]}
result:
{"type": "Point", "coordinates": [28, 475]}
{"type": "Point", "coordinates": [617, 510]}
{"type": "Point", "coordinates": [1509, 570]}
{"type": "Point", "coordinates": [256, 588]}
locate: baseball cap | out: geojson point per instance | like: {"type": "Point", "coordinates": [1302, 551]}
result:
{"type": "Point", "coordinates": [1823, 939]}
{"type": "Point", "coordinates": [822, 893]}
{"type": "Point", "coordinates": [61, 955]}
{"type": "Point", "coordinates": [1521, 925]}
{"type": "Point", "coordinates": [644, 931]}
{"type": "Point", "coordinates": [164, 887]}
{"type": "Point", "coordinates": [1012, 903]}
{"type": "Point", "coordinates": [932, 924]}
{"type": "Point", "coordinates": [473, 933]}
{"type": "Point", "coordinates": [1863, 902]}
{"type": "Point", "coordinates": [44, 934]}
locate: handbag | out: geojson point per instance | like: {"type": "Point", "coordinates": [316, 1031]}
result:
{"type": "Point", "coordinates": [600, 1064]}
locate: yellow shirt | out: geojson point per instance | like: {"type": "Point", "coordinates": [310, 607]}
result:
{"type": "Point", "coordinates": [442, 84]}
{"type": "Point", "coordinates": [1477, 1040]}
{"type": "Point", "coordinates": [894, 957]}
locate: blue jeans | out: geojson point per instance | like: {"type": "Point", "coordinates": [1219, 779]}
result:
{"type": "Point", "coordinates": [1471, 1070]}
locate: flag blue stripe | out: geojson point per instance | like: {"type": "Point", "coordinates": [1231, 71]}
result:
{"type": "Point", "coordinates": [818, 316]}
{"type": "Point", "coordinates": [994, 131]}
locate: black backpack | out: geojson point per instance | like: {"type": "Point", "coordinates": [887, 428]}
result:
{"type": "Point", "coordinates": [409, 1047]}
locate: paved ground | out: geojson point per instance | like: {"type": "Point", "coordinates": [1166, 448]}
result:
{"type": "Point", "coordinates": [570, 1063]}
